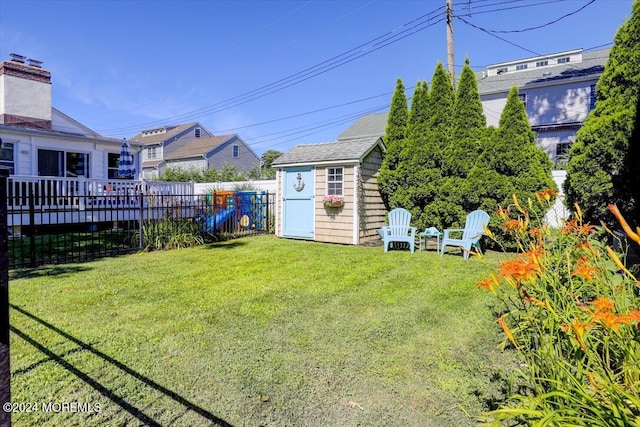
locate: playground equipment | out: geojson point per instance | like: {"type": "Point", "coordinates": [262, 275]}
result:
{"type": "Point", "coordinates": [235, 211]}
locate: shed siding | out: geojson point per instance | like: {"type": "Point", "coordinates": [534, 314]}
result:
{"type": "Point", "coordinates": [334, 225]}
{"type": "Point", "coordinates": [371, 207]}
{"type": "Point", "coordinates": [279, 201]}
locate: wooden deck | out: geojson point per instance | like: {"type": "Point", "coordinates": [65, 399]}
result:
{"type": "Point", "coordinates": [47, 200]}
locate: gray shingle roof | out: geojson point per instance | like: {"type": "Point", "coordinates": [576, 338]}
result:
{"type": "Point", "coordinates": [592, 66]}
{"type": "Point", "coordinates": [171, 131]}
{"type": "Point", "coordinates": [365, 126]}
{"type": "Point", "coordinates": [349, 150]}
{"type": "Point", "coordinates": [196, 147]}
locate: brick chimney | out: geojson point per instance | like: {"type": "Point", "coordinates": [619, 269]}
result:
{"type": "Point", "coordinates": [25, 93]}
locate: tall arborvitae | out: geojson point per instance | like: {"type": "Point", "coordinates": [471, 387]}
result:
{"type": "Point", "coordinates": [416, 129]}
{"type": "Point", "coordinates": [395, 135]}
{"type": "Point", "coordinates": [469, 126]}
{"type": "Point", "coordinates": [604, 161]}
{"type": "Point", "coordinates": [511, 164]}
{"type": "Point", "coordinates": [418, 114]}
{"type": "Point", "coordinates": [424, 170]}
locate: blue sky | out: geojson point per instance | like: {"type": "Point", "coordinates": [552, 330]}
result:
{"type": "Point", "coordinates": [277, 73]}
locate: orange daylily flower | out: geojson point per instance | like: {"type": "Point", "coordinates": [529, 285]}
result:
{"type": "Point", "coordinates": [579, 329]}
{"type": "Point", "coordinates": [635, 315]}
{"type": "Point", "coordinates": [512, 224]}
{"type": "Point", "coordinates": [545, 194]}
{"type": "Point", "coordinates": [609, 319]}
{"type": "Point", "coordinates": [585, 272]}
{"type": "Point", "coordinates": [602, 305]}
{"type": "Point", "coordinates": [506, 330]}
{"type": "Point", "coordinates": [616, 212]}
{"type": "Point", "coordinates": [519, 269]}
{"type": "Point", "coordinates": [489, 283]}
{"type": "Point", "coordinates": [569, 226]}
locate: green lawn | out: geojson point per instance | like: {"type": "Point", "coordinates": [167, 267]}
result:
{"type": "Point", "coordinates": [258, 331]}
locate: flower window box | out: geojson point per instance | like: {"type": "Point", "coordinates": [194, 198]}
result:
{"type": "Point", "coordinates": [333, 201]}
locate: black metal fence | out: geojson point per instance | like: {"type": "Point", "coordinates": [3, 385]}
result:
{"type": "Point", "coordinates": [101, 226]}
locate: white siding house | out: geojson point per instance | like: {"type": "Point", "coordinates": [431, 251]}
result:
{"type": "Point", "coordinates": [39, 140]}
{"type": "Point", "coordinates": [557, 89]}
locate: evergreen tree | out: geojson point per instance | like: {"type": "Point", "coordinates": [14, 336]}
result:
{"type": "Point", "coordinates": [427, 203]}
{"type": "Point", "coordinates": [395, 135]}
{"type": "Point", "coordinates": [604, 161]}
{"type": "Point", "coordinates": [418, 114]}
{"type": "Point", "coordinates": [469, 124]}
{"type": "Point", "coordinates": [511, 164]}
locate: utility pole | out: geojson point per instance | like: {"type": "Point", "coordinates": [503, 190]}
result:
{"type": "Point", "coordinates": [450, 66]}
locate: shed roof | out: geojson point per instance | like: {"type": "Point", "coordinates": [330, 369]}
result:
{"type": "Point", "coordinates": [591, 66]}
{"type": "Point", "coordinates": [348, 150]}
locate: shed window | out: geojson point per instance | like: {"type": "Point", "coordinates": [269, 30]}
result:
{"type": "Point", "coordinates": [236, 151]}
{"type": "Point", "coordinates": [335, 179]}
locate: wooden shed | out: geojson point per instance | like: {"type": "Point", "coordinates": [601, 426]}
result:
{"type": "Point", "coordinates": [346, 168]}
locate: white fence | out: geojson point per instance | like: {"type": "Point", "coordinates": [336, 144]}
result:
{"type": "Point", "coordinates": [263, 185]}
{"type": "Point", "coordinates": [558, 211]}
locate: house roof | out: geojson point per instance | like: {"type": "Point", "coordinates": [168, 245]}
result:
{"type": "Point", "coordinates": [365, 126]}
{"type": "Point", "coordinates": [165, 133]}
{"type": "Point", "coordinates": [196, 148]}
{"type": "Point", "coordinates": [347, 150]}
{"type": "Point", "coordinates": [591, 67]}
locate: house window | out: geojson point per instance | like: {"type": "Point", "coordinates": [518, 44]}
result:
{"type": "Point", "coordinates": [523, 99]}
{"type": "Point", "coordinates": [236, 151]}
{"type": "Point", "coordinates": [334, 181]}
{"type": "Point", "coordinates": [151, 152]}
{"type": "Point", "coordinates": [592, 97]}
{"type": "Point", "coordinates": [63, 164]}
{"type": "Point", "coordinates": [7, 156]}
{"type": "Point", "coordinates": [562, 149]}
{"type": "Point", "coordinates": [542, 63]}
{"type": "Point", "coordinates": [521, 67]}
{"type": "Point", "coordinates": [502, 70]}
{"type": "Point", "coordinates": [563, 60]}
{"type": "Point", "coordinates": [112, 165]}
{"type": "Point", "coordinates": [196, 132]}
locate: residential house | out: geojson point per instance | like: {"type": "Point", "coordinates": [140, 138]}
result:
{"type": "Point", "coordinates": [39, 140]}
{"type": "Point", "coordinates": [191, 146]}
{"type": "Point", "coordinates": [558, 91]}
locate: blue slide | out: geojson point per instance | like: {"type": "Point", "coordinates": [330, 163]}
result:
{"type": "Point", "coordinates": [215, 221]}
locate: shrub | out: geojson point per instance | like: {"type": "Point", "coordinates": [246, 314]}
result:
{"type": "Point", "coordinates": [570, 308]}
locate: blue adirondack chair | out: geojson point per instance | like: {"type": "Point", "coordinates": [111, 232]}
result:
{"type": "Point", "coordinates": [399, 229]}
{"type": "Point", "coordinates": [471, 234]}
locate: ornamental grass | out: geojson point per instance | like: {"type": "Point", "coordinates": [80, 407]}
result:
{"type": "Point", "coordinates": [570, 308]}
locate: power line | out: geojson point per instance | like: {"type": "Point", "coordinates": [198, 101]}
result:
{"type": "Point", "coordinates": [537, 27]}
{"type": "Point", "coordinates": [393, 36]}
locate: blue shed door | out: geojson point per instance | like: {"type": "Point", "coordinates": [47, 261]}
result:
{"type": "Point", "coordinates": [297, 211]}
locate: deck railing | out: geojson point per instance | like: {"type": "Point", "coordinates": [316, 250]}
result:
{"type": "Point", "coordinates": [78, 193]}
